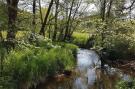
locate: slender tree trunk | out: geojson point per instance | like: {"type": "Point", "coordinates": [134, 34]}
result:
{"type": "Point", "coordinates": [40, 9]}
{"type": "Point", "coordinates": [1, 65]}
{"type": "Point", "coordinates": [72, 28]}
{"type": "Point", "coordinates": [103, 9]}
{"type": "Point", "coordinates": [68, 21]}
{"type": "Point", "coordinates": [42, 31]}
{"type": "Point", "coordinates": [56, 20]}
{"type": "Point", "coordinates": [49, 32]}
{"type": "Point", "coordinates": [60, 38]}
{"type": "Point", "coordinates": [109, 9]}
{"type": "Point", "coordinates": [12, 15]}
{"type": "Point", "coordinates": [103, 17]}
{"type": "Point", "coordinates": [32, 35]}
{"type": "Point", "coordinates": [34, 16]}
{"type": "Point", "coordinates": [1, 37]}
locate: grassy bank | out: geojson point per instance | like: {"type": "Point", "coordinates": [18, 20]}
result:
{"type": "Point", "coordinates": [28, 64]}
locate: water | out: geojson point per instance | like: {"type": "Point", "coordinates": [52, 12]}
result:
{"type": "Point", "coordinates": [88, 75]}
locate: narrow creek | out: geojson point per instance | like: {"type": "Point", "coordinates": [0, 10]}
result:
{"type": "Point", "coordinates": [88, 75]}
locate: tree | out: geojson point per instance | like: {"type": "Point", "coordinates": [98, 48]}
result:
{"type": "Point", "coordinates": [103, 9]}
{"type": "Point", "coordinates": [34, 15]}
{"type": "Point", "coordinates": [56, 19]}
{"type": "Point", "coordinates": [68, 20]}
{"type": "Point", "coordinates": [109, 9]}
{"type": "Point", "coordinates": [42, 30]}
{"type": "Point", "coordinates": [40, 10]}
{"type": "Point", "coordinates": [12, 15]}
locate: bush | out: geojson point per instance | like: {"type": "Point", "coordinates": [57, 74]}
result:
{"type": "Point", "coordinates": [40, 41]}
{"type": "Point", "coordinates": [120, 46]}
{"type": "Point", "coordinates": [116, 40]}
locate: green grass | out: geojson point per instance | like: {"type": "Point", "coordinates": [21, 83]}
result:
{"type": "Point", "coordinates": [80, 39]}
{"type": "Point", "coordinates": [19, 34]}
{"type": "Point", "coordinates": [69, 46]}
{"type": "Point", "coordinates": [30, 64]}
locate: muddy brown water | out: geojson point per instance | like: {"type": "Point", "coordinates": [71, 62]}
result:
{"type": "Point", "coordinates": [88, 75]}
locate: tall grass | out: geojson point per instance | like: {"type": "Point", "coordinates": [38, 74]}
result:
{"type": "Point", "coordinates": [68, 46]}
{"type": "Point", "coordinates": [30, 65]}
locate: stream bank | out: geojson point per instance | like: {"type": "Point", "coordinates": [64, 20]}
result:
{"type": "Point", "coordinates": [88, 75]}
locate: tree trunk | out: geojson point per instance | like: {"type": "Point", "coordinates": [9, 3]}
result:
{"type": "Point", "coordinates": [56, 20]}
{"type": "Point", "coordinates": [40, 9]}
{"type": "Point", "coordinates": [1, 37]}
{"type": "Point", "coordinates": [109, 9]}
{"type": "Point", "coordinates": [68, 21]}
{"type": "Point", "coordinates": [34, 16]}
{"type": "Point", "coordinates": [103, 9]}
{"type": "Point", "coordinates": [12, 15]}
{"type": "Point", "coordinates": [103, 17]}
{"type": "Point", "coordinates": [42, 31]}
{"type": "Point", "coordinates": [72, 28]}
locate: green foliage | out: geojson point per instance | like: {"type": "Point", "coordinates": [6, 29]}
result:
{"type": "Point", "coordinates": [62, 59]}
{"type": "Point", "coordinates": [120, 46]}
{"type": "Point", "coordinates": [3, 16]}
{"type": "Point", "coordinates": [116, 39]}
{"type": "Point", "coordinates": [6, 82]}
{"type": "Point", "coordinates": [72, 47]}
{"type": "Point", "coordinates": [24, 21]}
{"type": "Point", "coordinates": [25, 65]}
{"type": "Point", "coordinates": [29, 64]}
{"type": "Point", "coordinates": [44, 42]}
{"type": "Point", "coordinates": [68, 46]}
{"type": "Point", "coordinates": [125, 85]}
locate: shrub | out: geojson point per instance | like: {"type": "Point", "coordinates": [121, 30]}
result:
{"type": "Point", "coordinates": [119, 46]}
{"type": "Point", "coordinates": [116, 40]}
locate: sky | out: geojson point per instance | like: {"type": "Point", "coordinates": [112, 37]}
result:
{"type": "Point", "coordinates": [91, 8]}
{"type": "Point", "coordinates": [127, 5]}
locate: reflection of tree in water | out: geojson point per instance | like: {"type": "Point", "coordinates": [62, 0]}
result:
{"type": "Point", "coordinates": [104, 80]}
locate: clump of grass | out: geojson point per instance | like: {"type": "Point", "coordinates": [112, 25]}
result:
{"type": "Point", "coordinates": [68, 46]}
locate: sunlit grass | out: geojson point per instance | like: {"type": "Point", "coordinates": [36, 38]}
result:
{"type": "Point", "coordinates": [19, 34]}
{"type": "Point", "coordinates": [80, 38]}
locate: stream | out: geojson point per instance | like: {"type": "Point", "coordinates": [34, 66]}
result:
{"type": "Point", "coordinates": [88, 74]}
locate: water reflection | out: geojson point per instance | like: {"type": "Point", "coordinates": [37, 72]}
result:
{"type": "Point", "coordinates": [89, 75]}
